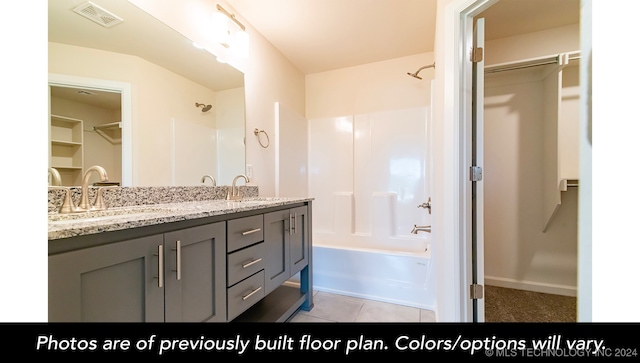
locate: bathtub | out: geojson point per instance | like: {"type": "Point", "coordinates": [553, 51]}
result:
{"type": "Point", "coordinates": [350, 266]}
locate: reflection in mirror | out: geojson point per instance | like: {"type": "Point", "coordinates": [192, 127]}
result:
{"type": "Point", "coordinates": [160, 131]}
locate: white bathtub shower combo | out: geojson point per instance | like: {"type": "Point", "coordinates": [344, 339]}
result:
{"type": "Point", "coordinates": [368, 175]}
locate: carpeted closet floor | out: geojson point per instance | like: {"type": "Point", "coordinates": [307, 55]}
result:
{"type": "Point", "coordinates": [511, 305]}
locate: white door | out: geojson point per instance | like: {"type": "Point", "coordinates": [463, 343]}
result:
{"type": "Point", "coordinates": [477, 195]}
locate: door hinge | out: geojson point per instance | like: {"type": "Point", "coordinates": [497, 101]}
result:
{"type": "Point", "coordinates": [476, 291]}
{"type": "Point", "coordinates": [476, 173]}
{"type": "Point", "coordinates": [476, 55]}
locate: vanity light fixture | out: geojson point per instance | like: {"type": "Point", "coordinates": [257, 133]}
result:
{"type": "Point", "coordinates": [237, 41]}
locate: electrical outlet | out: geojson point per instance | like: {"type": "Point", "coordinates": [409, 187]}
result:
{"type": "Point", "coordinates": [249, 171]}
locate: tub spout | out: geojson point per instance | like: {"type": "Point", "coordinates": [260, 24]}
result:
{"type": "Point", "coordinates": [417, 229]}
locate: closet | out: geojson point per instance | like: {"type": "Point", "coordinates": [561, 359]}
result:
{"type": "Point", "coordinates": [531, 176]}
{"type": "Point", "coordinates": [84, 130]}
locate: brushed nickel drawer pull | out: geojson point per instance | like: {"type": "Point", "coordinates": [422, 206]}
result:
{"type": "Point", "coordinates": [178, 269]}
{"type": "Point", "coordinates": [251, 231]}
{"type": "Point", "coordinates": [251, 293]}
{"type": "Point", "coordinates": [160, 255]}
{"type": "Point", "coordinates": [251, 263]}
{"type": "Point", "coordinates": [291, 224]}
{"type": "Point", "coordinates": [295, 222]}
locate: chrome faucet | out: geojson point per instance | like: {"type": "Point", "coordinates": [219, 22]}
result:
{"type": "Point", "coordinates": [56, 179]}
{"type": "Point", "coordinates": [231, 194]}
{"type": "Point", "coordinates": [210, 177]}
{"type": "Point", "coordinates": [84, 198]}
{"type": "Point", "coordinates": [417, 229]}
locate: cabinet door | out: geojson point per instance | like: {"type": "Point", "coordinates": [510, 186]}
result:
{"type": "Point", "coordinates": [277, 258]}
{"type": "Point", "coordinates": [299, 239]}
{"type": "Point", "coordinates": [195, 268]}
{"type": "Point", "coordinates": [111, 283]}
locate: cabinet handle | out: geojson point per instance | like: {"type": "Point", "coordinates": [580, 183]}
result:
{"type": "Point", "coordinates": [178, 269]}
{"type": "Point", "coordinates": [251, 231]}
{"type": "Point", "coordinates": [251, 293]}
{"type": "Point", "coordinates": [295, 222]}
{"type": "Point", "coordinates": [291, 224]}
{"type": "Point", "coordinates": [251, 263]}
{"type": "Point", "coordinates": [160, 255]}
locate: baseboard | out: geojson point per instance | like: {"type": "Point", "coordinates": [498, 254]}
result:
{"type": "Point", "coordinates": [531, 286]}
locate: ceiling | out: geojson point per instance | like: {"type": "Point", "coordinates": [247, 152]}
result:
{"type": "Point", "coordinates": [315, 35]}
{"type": "Point", "coordinates": [322, 35]}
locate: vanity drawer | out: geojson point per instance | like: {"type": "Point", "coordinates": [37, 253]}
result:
{"type": "Point", "coordinates": [244, 263]}
{"type": "Point", "coordinates": [242, 232]}
{"type": "Point", "coordinates": [243, 295]}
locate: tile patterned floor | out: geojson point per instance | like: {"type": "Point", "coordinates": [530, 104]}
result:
{"type": "Point", "coordinates": [330, 308]}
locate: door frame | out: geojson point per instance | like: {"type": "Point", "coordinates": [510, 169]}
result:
{"type": "Point", "coordinates": [469, 267]}
{"type": "Point", "coordinates": [453, 215]}
{"type": "Point", "coordinates": [65, 80]}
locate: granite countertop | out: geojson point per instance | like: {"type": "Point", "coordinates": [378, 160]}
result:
{"type": "Point", "coordinates": [120, 218]}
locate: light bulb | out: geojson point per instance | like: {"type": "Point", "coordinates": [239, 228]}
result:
{"type": "Point", "coordinates": [241, 44]}
{"type": "Point", "coordinates": [219, 27]}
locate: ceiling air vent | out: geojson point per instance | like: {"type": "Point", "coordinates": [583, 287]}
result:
{"type": "Point", "coordinates": [97, 14]}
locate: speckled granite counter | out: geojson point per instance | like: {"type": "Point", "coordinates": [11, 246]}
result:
{"type": "Point", "coordinates": [131, 207]}
{"type": "Point", "coordinates": [121, 218]}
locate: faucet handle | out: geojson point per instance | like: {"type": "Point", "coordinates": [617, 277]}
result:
{"type": "Point", "coordinates": [67, 204]}
{"type": "Point", "coordinates": [426, 205]}
{"type": "Point", "coordinates": [99, 203]}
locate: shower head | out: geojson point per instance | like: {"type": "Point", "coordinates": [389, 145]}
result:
{"type": "Point", "coordinates": [415, 74]}
{"type": "Point", "coordinates": [205, 108]}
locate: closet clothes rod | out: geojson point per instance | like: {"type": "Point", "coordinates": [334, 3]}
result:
{"type": "Point", "coordinates": [522, 65]}
{"type": "Point", "coordinates": [108, 126]}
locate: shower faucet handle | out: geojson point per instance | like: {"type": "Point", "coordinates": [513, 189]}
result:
{"type": "Point", "coordinates": [426, 205]}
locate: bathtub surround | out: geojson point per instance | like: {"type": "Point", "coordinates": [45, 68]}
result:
{"type": "Point", "coordinates": [374, 176]}
{"type": "Point", "coordinates": [133, 196]}
{"type": "Point", "coordinates": [367, 189]}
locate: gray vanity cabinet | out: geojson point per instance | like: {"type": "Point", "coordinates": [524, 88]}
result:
{"type": "Point", "coordinates": [176, 276]}
{"type": "Point", "coordinates": [109, 283]}
{"type": "Point", "coordinates": [195, 264]}
{"type": "Point", "coordinates": [286, 238]}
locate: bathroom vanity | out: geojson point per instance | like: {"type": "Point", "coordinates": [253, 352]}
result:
{"type": "Point", "coordinates": [204, 261]}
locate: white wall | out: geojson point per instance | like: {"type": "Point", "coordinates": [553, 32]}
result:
{"type": "Point", "coordinates": [292, 143]}
{"type": "Point", "coordinates": [369, 87]}
{"type": "Point", "coordinates": [585, 256]}
{"type": "Point", "coordinates": [532, 45]}
{"type": "Point", "coordinates": [229, 108]}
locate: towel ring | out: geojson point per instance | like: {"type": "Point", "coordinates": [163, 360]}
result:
{"type": "Point", "coordinates": [257, 133]}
